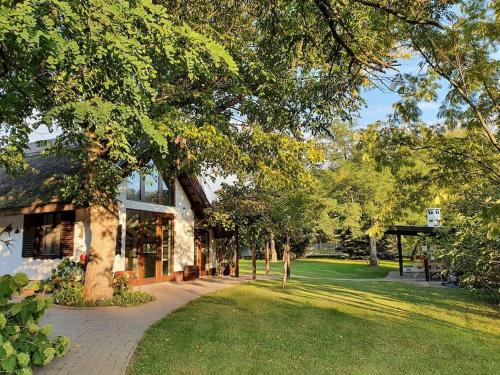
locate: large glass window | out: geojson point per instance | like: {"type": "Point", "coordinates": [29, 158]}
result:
{"type": "Point", "coordinates": [48, 235]}
{"type": "Point", "coordinates": [151, 188]}
{"type": "Point", "coordinates": [167, 193]}
{"type": "Point", "coordinates": [132, 243]}
{"type": "Point", "coordinates": [134, 187]}
{"type": "Point", "coordinates": [166, 246]}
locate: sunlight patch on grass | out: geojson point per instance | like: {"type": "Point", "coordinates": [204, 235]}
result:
{"type": "Point", "coordinates": [319, 327]}
{"type": "Point", "coordinates": [325, 268]}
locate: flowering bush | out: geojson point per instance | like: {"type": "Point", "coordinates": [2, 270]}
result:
{"type": "Point", "coordinates": [23, 342]}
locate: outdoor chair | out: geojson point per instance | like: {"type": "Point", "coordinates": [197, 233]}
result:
{"type": "Point", "coordinates": [436, 268]}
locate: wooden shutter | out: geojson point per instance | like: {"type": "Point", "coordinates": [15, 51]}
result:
{"type": "Point", "coordinates": [29, 236]}
{"type": "Point", "coordinates": [67, 233]}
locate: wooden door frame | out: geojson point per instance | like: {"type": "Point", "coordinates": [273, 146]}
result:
{"type": "Point", "coordinates": [159, 216]}
{"type": "Point", "coordinates": [199, 251]}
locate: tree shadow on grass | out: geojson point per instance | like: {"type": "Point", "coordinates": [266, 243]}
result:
{"type": "Point", "coordinates": [375, 299]}
{"type": "Point", "coordinates": [261, 318]}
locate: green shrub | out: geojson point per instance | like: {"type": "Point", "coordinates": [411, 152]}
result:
{"type": "Point", "coordinates": [122, 294]}
{"type": "Point", "coordinates": [472, 256]}
{"type": "Point", "coordinates": [126, 298]}
{"type": "Point", "coordinates": [69, 295]}
{"type": "Point", "coordinates": [23, 342]}
{"type": "Point", "coordinates": [66, 282]}
{"type": "Point", "coordinates": [120, 283]}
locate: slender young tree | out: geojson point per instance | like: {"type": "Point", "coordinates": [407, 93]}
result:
{"type": "Point", "coordinates": [266, 255]}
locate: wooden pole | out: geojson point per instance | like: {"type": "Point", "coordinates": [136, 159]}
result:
{"type": "Point", "coordinates": [267, 257]}
{"type": "Point", "coordinates": [285, 263]}
{"type": "Point", "coordinates": [400, 255]}
{"type": "Point", "coordinates": [237, 254]}
{"type": "Point", "coordinates": [254, 255]}
{"type": "Point", "coordinates": [426, 265]}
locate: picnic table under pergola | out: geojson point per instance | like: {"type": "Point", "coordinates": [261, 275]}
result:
{"type": "Point", "coordinates": [411, 230]}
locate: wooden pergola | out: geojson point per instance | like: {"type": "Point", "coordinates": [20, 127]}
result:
{"type": "Point", "coordinates": [411, 230]}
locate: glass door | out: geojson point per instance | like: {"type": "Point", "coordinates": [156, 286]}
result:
{"type": "Point", "coordinates": [166, 246]}
{"type": "Point", "coordinates": [148, 246]}
{"type": "Point", "coordinates": [149, 253]}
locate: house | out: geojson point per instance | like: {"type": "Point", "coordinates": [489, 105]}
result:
{"type": "Point", "coordinates": [159, 234]}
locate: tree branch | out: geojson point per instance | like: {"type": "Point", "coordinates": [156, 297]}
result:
{"type": "Point", "coordinates": [395, 13]}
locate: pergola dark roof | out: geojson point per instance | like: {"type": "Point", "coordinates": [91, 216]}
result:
{"type": "Point", "coordinates": [410, 230]}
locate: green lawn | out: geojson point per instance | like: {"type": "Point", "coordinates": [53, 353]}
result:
{"type": "Point", "coordinates": [320, 268]}
{"type": "Point", "coordinates": [320, 326]}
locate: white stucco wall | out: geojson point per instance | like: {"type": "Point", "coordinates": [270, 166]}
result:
{"type": "Point", "coordinates": [183, 230]}
{"type": "Point", "coordinates": [11, 260]}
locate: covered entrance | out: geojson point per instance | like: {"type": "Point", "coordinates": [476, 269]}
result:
{"type": "Point", "coordinates": [202, 252]}
{"type": "Point", "coordinates": [148, 246]}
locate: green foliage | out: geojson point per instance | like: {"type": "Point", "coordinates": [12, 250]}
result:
{"type": "Point", "coordinates": [472, 256]}
{"type": "Point", "coordinates": [124, 299]}
{"type": "Point", "coordinates": [66, 283]}
{"type": "Point", "coordinates": [120, 283]}
{"type": "Point", "coordinates": [104, 74]}
{"type": "Point", "coordinates": [68, 295]}
{"type": "Point", "coordinates": [23, 342]}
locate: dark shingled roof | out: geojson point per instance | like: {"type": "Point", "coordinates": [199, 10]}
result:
{"type": "Point", "coordinates": [34, 187]}
{"type": "Point", "coordinates": [40, 187]}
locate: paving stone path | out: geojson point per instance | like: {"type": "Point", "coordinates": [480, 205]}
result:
{"type": "Point", "coordinates": [104, 339]}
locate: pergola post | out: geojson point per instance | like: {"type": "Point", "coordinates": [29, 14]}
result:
{"type": "Point", "coordinates": [400, 255]}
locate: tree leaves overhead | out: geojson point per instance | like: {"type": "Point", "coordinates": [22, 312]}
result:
{"type": "Point", "coordinates": [101, 72]}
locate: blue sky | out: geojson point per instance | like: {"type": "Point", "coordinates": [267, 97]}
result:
{"type": "Point", "coordinates": [379, 106]}
{"type": "Point", "coordinates": [379, 102]}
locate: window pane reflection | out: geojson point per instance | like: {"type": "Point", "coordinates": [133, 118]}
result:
{"type": "Point", "coordinates": [134, 187]}
{"type": "Point", "coordinates": [151, 188]}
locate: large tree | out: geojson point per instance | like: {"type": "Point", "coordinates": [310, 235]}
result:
{"type": "Point", "coordinates": [104, 74]}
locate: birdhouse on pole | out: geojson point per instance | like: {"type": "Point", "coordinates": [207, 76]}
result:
{"type": "Point", "coordinates": [433, 217]}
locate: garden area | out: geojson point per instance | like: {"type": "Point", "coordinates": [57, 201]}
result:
{"type": "Point", "coordinates": [325, 326]}
{"type": "Point", "coordinates": [151, 141]}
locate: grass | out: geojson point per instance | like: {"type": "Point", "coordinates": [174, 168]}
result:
{"type": "Point", "coordinates": [320, 268]}
{"type": "Point", "coordinates": [322, 326]}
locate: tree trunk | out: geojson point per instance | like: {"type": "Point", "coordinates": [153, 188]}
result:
{"type": "Point", "coordinates": [98, 275]}
{"type": "Point", "coordinates": [237, 253]}
{"type": "Point", "coordinates": [267, 258]}
{"type": "Point", "coordinates": [254, 255]}
{"type": "Point", "coordinates": [285, 261]}
{"type": "Point", "coordinates": [274, 254]}
{"type": "Point", "coordinates": [288, 263]}
{"type": "Point", "coordinates": [373, 252]}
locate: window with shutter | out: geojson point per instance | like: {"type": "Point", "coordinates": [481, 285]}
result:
{"type": "Point", "coordinates": [67, 233]}
{"type": "Point", "coordinates": [48, 235]}
{"type": "Point", "coordinates": [29, 236]}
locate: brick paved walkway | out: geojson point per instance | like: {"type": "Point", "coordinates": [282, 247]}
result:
{"type": "Point", "coordinates": [104, 339]}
